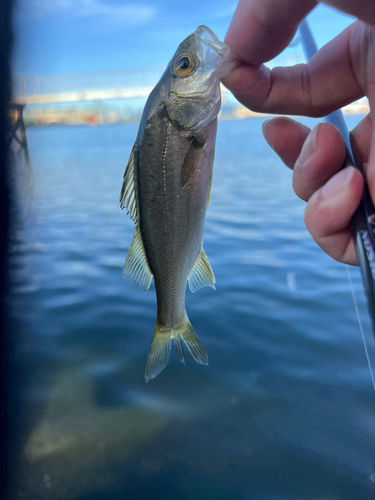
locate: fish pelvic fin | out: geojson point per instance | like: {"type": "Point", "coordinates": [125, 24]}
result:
{"type": "Point", "coordinates": [136, 268]}
{"type": "Point", "coordinates": [202, 274]}
{"type": "Point", "coordinates": [128, 197]}
{"type": "Point", "coordinates": [160, 348]}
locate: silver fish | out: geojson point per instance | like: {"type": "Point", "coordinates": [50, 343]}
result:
{"type": "Point", "coordinates": [166, 189]}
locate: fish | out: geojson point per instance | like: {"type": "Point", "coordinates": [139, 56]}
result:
{"type": "Point", "coordinates": [166, 188]}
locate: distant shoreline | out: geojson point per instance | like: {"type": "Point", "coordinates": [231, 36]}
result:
{"type": "Point", "coordinates": [76, 116]}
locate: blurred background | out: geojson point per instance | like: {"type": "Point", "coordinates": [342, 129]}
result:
{"type": "Point", "coordinates": [285, 409]}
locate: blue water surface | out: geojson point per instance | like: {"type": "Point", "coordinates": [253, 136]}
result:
{"type": "Point", "coordinates": [285, 409]}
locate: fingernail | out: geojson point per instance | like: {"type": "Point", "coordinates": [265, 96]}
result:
{"type": "Point", "coordinates": [308, 147]}
{"type": "Point", "coordinates": [337, 183]}
{"type": "Point", "coordinates": [264, 126]}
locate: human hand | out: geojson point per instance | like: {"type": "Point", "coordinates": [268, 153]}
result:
{"type": "Point", "coordinates": [341, 72]}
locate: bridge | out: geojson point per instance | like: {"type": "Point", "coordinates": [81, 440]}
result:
{"type": "Point", "coordinates": [88, 86]}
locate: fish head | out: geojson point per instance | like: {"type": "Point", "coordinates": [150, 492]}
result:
{"type": "Point", "coordinates": [195, 70]}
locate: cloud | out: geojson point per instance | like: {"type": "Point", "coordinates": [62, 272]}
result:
{"type": "Point", "coordinates": [109, 13]}
{"type": "Point", "coordinates": [114, 13]}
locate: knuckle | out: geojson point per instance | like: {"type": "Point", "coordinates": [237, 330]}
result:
{"type": "Point", "coordinates": [307, 96]}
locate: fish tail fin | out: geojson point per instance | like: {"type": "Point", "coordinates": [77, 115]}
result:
{"type": "Point", "coordinates": [195, 347]}
{"type": "Point", "coordinates": [158, 355]}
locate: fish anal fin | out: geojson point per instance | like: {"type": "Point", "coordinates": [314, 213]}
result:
{"type": "Point", "coordinates": [201, 275]}
{"type": "Point", "coordinates": [158, 355]}
{"type": "Point", "coordinates": [128, 197]}
{"type": "Point", "coordinates": [136, 268]}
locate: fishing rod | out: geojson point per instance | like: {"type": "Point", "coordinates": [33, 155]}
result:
{"type": "Point", "coordinates": [363, 220]}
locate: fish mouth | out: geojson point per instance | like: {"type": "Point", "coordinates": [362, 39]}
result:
{"type": "Point", "coordinates": [210, 39]}
{"type": "Point", "coordinates": [230, 60]}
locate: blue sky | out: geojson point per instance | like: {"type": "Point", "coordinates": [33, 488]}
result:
{"type": "Point", "coordinates": [68, 36]}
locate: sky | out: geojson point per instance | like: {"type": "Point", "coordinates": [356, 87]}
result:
{"type": "Point", "coordinates": [70, 36]}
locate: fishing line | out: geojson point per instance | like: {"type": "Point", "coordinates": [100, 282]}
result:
{"type": "Point", "coordinates": [360, 327]}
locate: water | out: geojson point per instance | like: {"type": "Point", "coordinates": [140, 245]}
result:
{"type": "Point", "coordinates": [285, 409]}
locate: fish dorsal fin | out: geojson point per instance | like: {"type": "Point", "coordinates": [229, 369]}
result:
{"type": "Point", "coordinates": [201, 275]}
{"type": "Point", "coordinates": [191, 161]}
{"type": "Point", "coordinates": [136, 268]}
{"type": "Point", "coordinates": [128, 198]}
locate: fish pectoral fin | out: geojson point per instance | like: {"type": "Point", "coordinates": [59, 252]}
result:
{"type": "Point", "coordinates": [136, 268]}
{"type": "Point", "coordinates": [160, 348]}
{"type": "Point", "coordinates": [191, 161]}
{"type": "Point", "coordinates": [201, 275]}
{"type": "Point", "coordinates": [128, 198]}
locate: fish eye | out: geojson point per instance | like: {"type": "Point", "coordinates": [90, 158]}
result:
{"type": "Point", "coordinates": [183, 65]}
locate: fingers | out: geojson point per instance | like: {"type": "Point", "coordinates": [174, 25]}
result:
{"type": "Point", "coordinates": [338, 74]}
{"type": "Point", "coordinates": [261, 29]}
{"type": "Point", "coordinates": [361, 138]}
{"type": "Point", "coordinates": [286, 138]}
{"type": "Point", "coordinates": [333, 195]}
{"type": "Point", "coordinates": [363, 10]}
{"type": "Point", "coordinates": [316, 89]}
{"type": "Point", "coordinates": [328, 214]}
{"type": "Point", "coordinates": [315, 157]}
